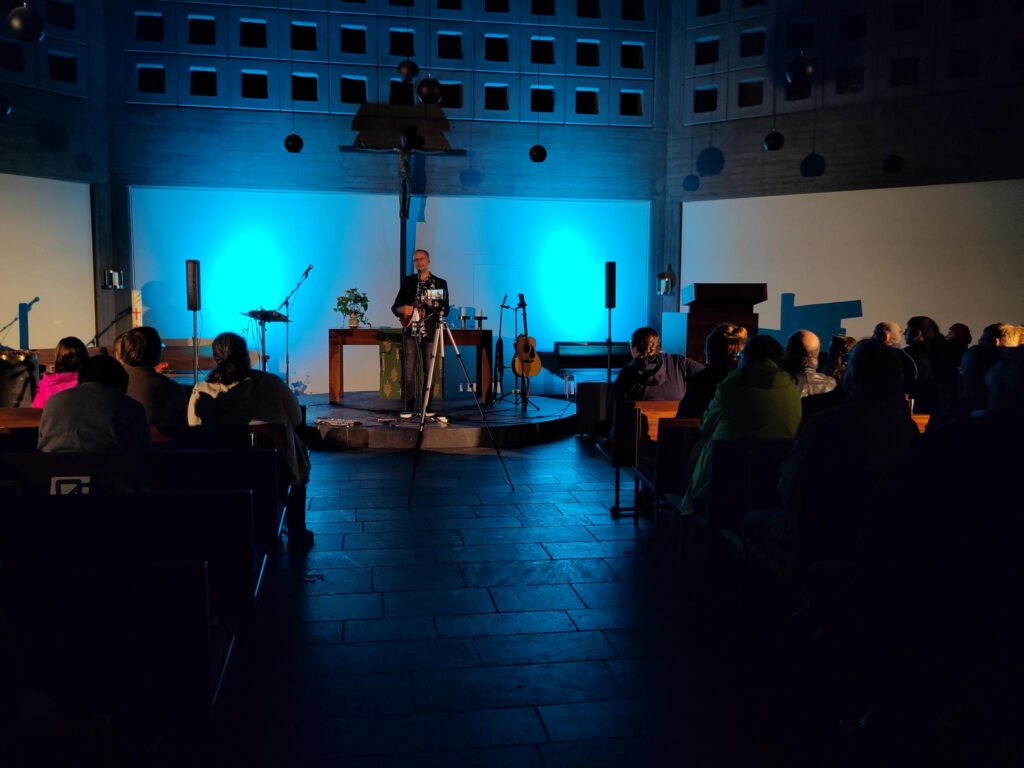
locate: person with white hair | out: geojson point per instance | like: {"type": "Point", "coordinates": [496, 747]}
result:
{"type": "Point", "coordinates": [891, 334]}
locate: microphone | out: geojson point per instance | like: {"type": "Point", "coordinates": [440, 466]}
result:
{"type": "Point", "coordinates": [503, 300]}
{"type": "Point", "coordinates": [308, 270]}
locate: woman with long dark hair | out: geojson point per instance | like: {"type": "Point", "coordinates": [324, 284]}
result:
{"type": "Point", "coordinates": [71, 353]}
{"type": "Point", "coordinates": [233, 393]}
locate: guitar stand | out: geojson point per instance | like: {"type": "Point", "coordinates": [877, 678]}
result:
{"type": "Point", "coordinates": [438, 350]}
{"type": "Point", "coordinates": [521, 391]}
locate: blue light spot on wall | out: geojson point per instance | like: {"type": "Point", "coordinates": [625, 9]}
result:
{"type": "Point", "coordinates": [246, 272]}
{"type": "Point", "coordinates": [571, 280]}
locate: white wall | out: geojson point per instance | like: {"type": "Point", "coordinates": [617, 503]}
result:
{"type": "Point", "coordinates": [46, 251]}
{"type": "Point", "coordinates": [552, 251]}
{"type": "Point", "coordinates": [952, 252]}
{"type": "Point", "coordinates": [254, 245]}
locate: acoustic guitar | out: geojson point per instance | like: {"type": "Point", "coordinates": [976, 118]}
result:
{"type": "Point", "coordinates": [429, 296]}
{"type": "Point", "coordinates": [414, 317]}
{"type": "Point", "coordinates": [526, 361]}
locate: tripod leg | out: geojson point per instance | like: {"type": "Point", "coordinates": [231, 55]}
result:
{"type": "Point", "coordinates": [480, 409]}
{"type": "Point", "coordinates": [438, 339]}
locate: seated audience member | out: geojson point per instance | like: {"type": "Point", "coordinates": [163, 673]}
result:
{"type": "Point", "coordinates": [71, 353]}
{"type": "Point", "coordinates": [935, 385]}
{"type": "Point", "coordinates": [721, 351]}
{"type": "Point", "coordinates": [959, 339]}
{"type": "Point", "coordinates": [801, 362]}
{"type": "Point", "coordinates": [757, 401]}
{"type": "Point", "coordinates": [973, 397]}
{"type": "Point", "coordinates": [96, 415]}
{"type": "Point", "coordinates": [999, 335]}
{"type": "Point", "coordinates": [945, 607]}
{"type": "Point", "coordinates": [838, 354]}
{"type": "Point", "coordinates": [891, 335]}
{"type": "Point", "coordinates": [653, 374]}
{"type": "Point", "coordinates": [839, 348]}
{"type": "Point", "coordinates": [233, 393]}
{"type": "Point", "coordinates": [864, 440]}
{"type": "Point", "coordinates": [139, 352]}
{"type": "Point", "coordinates": [888, 333]}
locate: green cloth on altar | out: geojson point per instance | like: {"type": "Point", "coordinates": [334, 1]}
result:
{"type": "Point", "coordinates": [391, 367]}
{"type": "Point", "coordinates": [390, 364]}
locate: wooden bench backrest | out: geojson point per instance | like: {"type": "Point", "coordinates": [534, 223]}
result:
{"type": "Point", "coordinates": [636, 427]}
{"type": "Point", "coordinates": [132, 640]}
{"type": "Point", "coordinates": [254, 470]}
{"type": "Point", "coordinates": [676, 441]}
{"type": "Point", "coordinates": [13, 418]}
{"type": "Point", "coordinates": [214, 526]}
{"type": "Point", "coordinates": [744, 476]}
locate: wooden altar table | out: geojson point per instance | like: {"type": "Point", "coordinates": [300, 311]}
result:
{"type": "Point", "coordinates": [338, 338]}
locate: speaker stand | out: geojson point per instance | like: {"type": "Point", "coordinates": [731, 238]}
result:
{"type": "Point", "coordinates": [195, 347]}
{"type": "Point", "coordinates": [609, 346]}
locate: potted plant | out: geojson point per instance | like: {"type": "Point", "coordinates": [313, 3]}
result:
{"type": "Point", "coordinates": [354, 304]}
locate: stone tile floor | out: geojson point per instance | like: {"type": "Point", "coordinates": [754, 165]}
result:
{"type": "Point", "coordinates": [482, 627]}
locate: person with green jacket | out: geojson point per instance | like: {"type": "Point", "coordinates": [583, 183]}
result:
{"type": "Point", "coordinates": [757, 401]}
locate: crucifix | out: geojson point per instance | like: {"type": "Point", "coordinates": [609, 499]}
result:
{"type": "Point", "coordinates": [404, 130]}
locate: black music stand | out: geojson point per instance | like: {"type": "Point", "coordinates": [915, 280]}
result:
{"type": "Point", "coordinates": [264, 316]}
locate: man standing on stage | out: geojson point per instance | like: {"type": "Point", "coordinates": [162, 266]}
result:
{"type": "Point", "coordinates": [421, 299]}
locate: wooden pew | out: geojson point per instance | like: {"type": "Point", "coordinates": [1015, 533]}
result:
{"type": "Point", "coordinates": [124, 642]}
{"type": "Point", "coordinates": [666, 474]}
{"type": "Point", "coordinates": [634, 432]}
{"type": "Point", "coordinates": [17, 418]}
{"type": "Point", "coordinates": [744, 476]}
{"type": "Point", "coordinates": [120, 529]}
{"type": "Point", "coordinates": [254, 470]}
{"type": "Point", "coordinates": [56, 538]}
{"type": "Point", "coordinates": [19, 429]}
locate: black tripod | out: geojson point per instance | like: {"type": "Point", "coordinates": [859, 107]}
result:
{"type": "Point", "coordinates": [437, 346]}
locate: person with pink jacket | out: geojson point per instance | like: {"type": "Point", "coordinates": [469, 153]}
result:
{"type": "Point", "coordinates": [71, 353]}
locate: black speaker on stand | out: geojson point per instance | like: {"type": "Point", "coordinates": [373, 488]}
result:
{"type": "Point", "coordinates": [609, 302]}
{"type": "Point", "coordinates": [194, 305]}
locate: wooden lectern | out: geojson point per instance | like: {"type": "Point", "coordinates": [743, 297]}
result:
{"type": "Point", "coordinates": [713, 303]}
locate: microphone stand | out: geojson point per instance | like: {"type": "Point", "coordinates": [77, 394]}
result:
{"type": "Point", "coordinates": [3, 331]}
{"type": "Point", "coordinates": [95, 340]}
{"type": "Point", "coordinates": [287, 313]}
{"type": "Point", "coordinates": [499, 356]}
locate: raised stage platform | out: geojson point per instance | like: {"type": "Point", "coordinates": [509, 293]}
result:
{"type": "Point", "coordinates": [363, 421]}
